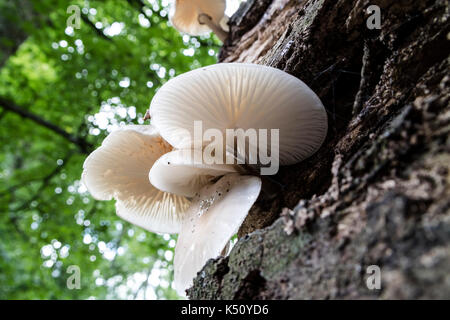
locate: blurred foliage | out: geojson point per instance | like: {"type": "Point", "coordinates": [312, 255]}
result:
{"type": "Point", "coordinates": [84, 83]}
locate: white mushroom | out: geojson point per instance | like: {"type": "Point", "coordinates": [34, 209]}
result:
{"type": "Point", "coordinates": [133, 162]}
{"type": "Point", "coordinates": [178, 172]}
{"type": "Point", "coordinates": [242, 96]}
{"type": "Point", "coordinates": [213, 218]}
{"type": "Point", "coordinates": [119, 169]}
{"type": "Point", "coordinates": [197, 17]}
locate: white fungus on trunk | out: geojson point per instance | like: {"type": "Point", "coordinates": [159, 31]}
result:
{"type": "Point", "coordinates": [242, 96]}
{"type": "Point", "coordinates": [119, 170]}
{"type": "Point", "coordinates": [214, 217]}
{"type": "Point", "coordinates": [198, 17]}
{"type": "Point", "coordinates": [153, 171]}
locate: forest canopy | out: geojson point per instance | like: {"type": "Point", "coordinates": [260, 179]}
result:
{"type": "Point", "coordinates": [62, 90]}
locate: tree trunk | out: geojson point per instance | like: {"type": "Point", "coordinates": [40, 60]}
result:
{"type": "Point", "coordinates": [377, 192]}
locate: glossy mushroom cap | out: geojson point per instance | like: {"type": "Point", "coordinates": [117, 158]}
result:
{"type": "Point", "coordinates": [186, 13]}
{"type": "Point", "coordinates": [214, 217]}
{"type": "Point", "coordinates": [185, 172]}
{"type": "Point", "coordinates": [247, 96]}
{"type": "Point", "coordinates": [119, 170]}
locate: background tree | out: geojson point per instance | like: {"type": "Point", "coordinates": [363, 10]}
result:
{"type": "Point", "coordinates": [61, 91]}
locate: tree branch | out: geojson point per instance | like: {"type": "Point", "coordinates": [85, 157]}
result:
{"type": "Point", "coordinates": [45, 183]}
{"type": "Point", "coordinates": [86, 19]}
{"type": "Point", "coordinates": [139, 5]}
{"type": "Point", "coordinates": [82, 144]}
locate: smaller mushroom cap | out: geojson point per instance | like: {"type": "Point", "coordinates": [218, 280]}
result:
{"type": "Point", "coordinates": [185, 15]}
{"type": "Point", "coordinates": [119, 169]}
{"type": "Point", "coordinates": [214, 217]}
{"type": "Point", "coordinates": [180, 172]}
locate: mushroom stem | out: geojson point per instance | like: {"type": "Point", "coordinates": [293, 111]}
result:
{"type": "Point", "coordinates": [203, 18]}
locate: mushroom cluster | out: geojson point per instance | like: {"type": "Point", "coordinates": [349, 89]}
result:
{"type": "Point", "coordinates": [153, 172]}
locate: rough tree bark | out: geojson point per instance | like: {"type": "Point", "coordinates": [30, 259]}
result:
{"type": "Point", "coordinates": [377, 192]}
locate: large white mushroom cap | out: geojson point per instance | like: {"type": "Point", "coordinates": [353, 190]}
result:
{"type": "Point", "coordinates": [185, 15]}
{"type": "Point", "coordinates": [185, 172]}
{"type": "Point", "coordinates": [247, 96]}
{"type": "Point", "coordinates": [214, 217]}
{"type": "Point", "coordinates": [119, 170]}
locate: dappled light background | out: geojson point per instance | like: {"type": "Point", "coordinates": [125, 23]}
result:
{"type": "Point", "coordinates": [62, 90]}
